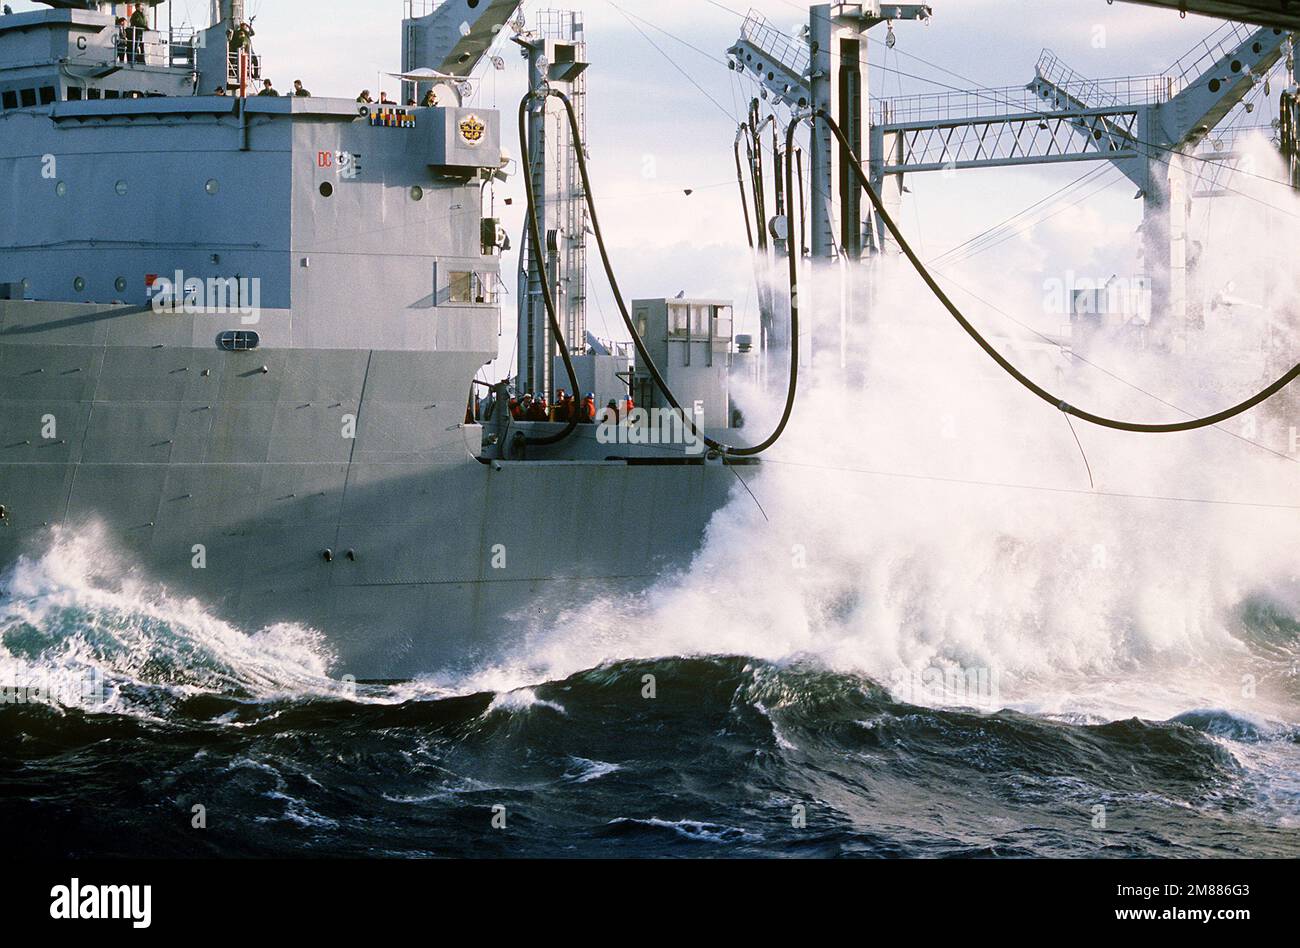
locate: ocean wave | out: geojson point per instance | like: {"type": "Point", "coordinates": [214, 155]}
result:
{"type": "Point", "coordinates": [77, 633]}
{"type": "Point", "coordinates": [730, 752]}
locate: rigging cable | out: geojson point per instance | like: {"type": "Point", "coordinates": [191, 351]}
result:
{"type": "Point", "coordinates": [792, 387]}
{"type": "Point", "coordinates": [864, 182]}
{"type": "Point", "coordinates": [1107, 179]}
{"type": "Point", "coordinates": [998, 229]}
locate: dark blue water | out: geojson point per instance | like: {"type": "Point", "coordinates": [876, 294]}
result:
{"type": "Point", "coordinates": [191, 720]}
{"type": "Point", "coordinates": [722, 762]}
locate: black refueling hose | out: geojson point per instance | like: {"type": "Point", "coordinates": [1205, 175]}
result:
{"type": "Point", "coordinates": [535, 230]}
{"type": "Point", "coordinates": [1053, 400]}
{"type": "Point", "coordinates": [740, 180]}
{"type": "Point", "coordinates": [791, 391]}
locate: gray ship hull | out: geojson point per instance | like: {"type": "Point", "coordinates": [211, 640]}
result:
{"type": "Point", "coordinates": [228, 476]}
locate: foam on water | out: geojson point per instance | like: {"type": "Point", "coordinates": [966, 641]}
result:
{"type": "Point", "coordinates": [520, 700]}
{"type": "Point", "coordinates": [927, 514]}
{"type": "Point", "coordinates": [79, 630]}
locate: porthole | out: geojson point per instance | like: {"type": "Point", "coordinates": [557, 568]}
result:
{"type": "Point", "coordinates": [326, 189]}
{"type": "Point", "coordinates": [61, 188]}
{"type": "Point", "coordinates": [417, 193]}
{"type": "Point", "coordinates": [212, 187]}
{"type": "Point", "coordinates": [239, 340]}
{"type": "Point", "coordinates": [78, 284]}
{"type": "Point", "coordinates": [120, 188]}
{"type": "Point", "coordinates": [120, 284]}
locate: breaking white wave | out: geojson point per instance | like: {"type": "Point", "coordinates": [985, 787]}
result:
{"type": "Point", "coordinates": [926, 518]}
{"type": "Point", "coordinates": [520, 700]}
{"type": "Point", "coordinates": [588, 770]}
{"type": "Point", "coordinates": [75, 631]}
{"type": "Point", "coordinates": [693, 830]}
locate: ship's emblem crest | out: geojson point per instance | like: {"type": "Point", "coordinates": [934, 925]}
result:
{"type": "Point", "coordinates": [472, 129]}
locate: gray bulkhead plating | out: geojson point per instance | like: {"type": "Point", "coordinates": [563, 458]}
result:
{"type": "Point", "coordinates": [344, 430]}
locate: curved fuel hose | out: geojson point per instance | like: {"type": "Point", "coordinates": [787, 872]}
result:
{"type": "Point", "coordinates": [548, 299]}
{"type": "Point", "coordinates": [792, 388]}
{"type": "Point", "coordinates": [1055, 401]}
{"type": "Point", "coordinates": [740, 181]}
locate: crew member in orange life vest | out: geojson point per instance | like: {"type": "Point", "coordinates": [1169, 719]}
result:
{"type": "Point", "coordinates": [537, 412]}
{"type": "Point", "coordinates": [513, 405]}
{"type": "Point", "coordinates": [563, 407]}
{"type": "Point", "coordinates": [588, 415]}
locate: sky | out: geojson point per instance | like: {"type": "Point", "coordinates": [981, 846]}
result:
{"type": "Point", "coordinates": [664, 109]}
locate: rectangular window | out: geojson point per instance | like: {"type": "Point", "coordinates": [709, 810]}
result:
{"type": "Point", "coordinates": [9, 99]}
{"type": "Point", "coordinates": [112, 94]}
{"type": "Point", "coordinates": [722, 322]}
{"type": "Point", "coordinates": [74, 93]}
{"type": "Point", "coordinates": [678, 320]}
{"type": "Point", "coordinates": [95, 93]}
{"type": "Point", "coordinates": [48, 94]}
{"type": "Point", "coordinates": [460, 287]}
{"type": "Point", "coordinates": [467, 286]}
{"type": "Point", "coordinates": [28, 97]}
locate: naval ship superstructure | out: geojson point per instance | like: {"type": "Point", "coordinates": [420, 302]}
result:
{"type": "Point", "coordinates": [239, 335]}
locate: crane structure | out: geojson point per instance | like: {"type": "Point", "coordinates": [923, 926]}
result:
{"type": "Point", "coordinates": [1155, 129]}
{"type": "Point", "coordinates": [825, 69]}
{"type": "Point", "coordinates": [1150, 128]}
{"type": "Point", "coordinates": [557, 58]}
{"type": "Point", "coordinates": [451, 36]}
{"type": "Point", "coordinates": [1276, 13]}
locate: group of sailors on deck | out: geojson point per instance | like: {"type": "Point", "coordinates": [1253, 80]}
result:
{"type": "Point", "coordinates": [532, 407]}
{"type": "Point", "coordinates": [429, 101]}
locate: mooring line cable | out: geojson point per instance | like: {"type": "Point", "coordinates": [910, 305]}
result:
{"type": "Point", "coordinates": [1082, 453]}
{"type": "Point", "coordinates": [927, 277]}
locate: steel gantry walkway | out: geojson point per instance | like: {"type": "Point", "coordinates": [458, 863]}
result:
{"type": "Point", "coordinates": [986, 128]}
{"type": "Point", "coordinates": [1149, 127]}
{"type": "Point", "coordinates": [1159, 131]}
